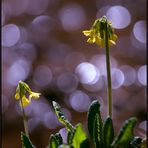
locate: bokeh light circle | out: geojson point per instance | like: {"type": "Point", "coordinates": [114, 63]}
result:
{"type": "Point", "coordinates": [33, 123]}
{"type": "Point", "coordinates": [72, 17]}
{"type": "Point", "coordinates": [19, 70]}
{"type": "Point", "coordinates": [10, 35]}
{"type": "Point", "coordinates": [42, 24]}
{"type": "Point", "coordinates": [28, 51]}
{"type": "Point", "coordinates": [63, 132]}
{"type": "Point", "coordinates": [36, 7]}
{"type": "Point", "coordinates": [50, 120]}
{"type": "Point", "coordinates": [67, 82]}
{"type": "Point", "coordinates": [42, 75]}
{"type": "Point", "coordinates": [39, 108]}
{"type": "Point", "coordinates": [143, 125]}
{"type": "Point", "coordinates": [87, 73]}
{"type": "Point", "coordinates": [119, 16]}
{"type": "Point", "coordinates": [139, 31]}
{"type": "Point", "coordinates": [79, 101]}
{"type": "Point", "coordinates": [142, 75]}
{"type": "Point", "coordinates": [117, 78]}
{"type": "Point", "coordinates": [129, 75]}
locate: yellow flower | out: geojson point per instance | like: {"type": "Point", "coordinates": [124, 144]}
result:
{"type": "Point", "coordinates": [17, 96]}
{"type": "Point", "coordinates": [25, 102]}
{"type": "Point", "coordinates": [97, 32]}
{"type": "Point", "coordinates": [22, 91]}
{"type": "Point", "coordinates": [34, 95]}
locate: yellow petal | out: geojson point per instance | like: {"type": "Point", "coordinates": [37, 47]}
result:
{"type": "Point", "coordinates": [114, 37]}
{"type": "Point", "coordinates": [111, 42]}
{"type": "Point", "coordinates": [90, 40]}
{"type": "Point", "coordinates": [17, 96]}
{"type": "Point", "coordinates": [87, 32]}
{"type": "Point", "coordinates": [25, 101]}
{"type": "Point", "coordinates": [100, 42]}
{"type": "Point", "coordinates": [34, 95]}
{"type": "Point", "coordinates": [94, 39]}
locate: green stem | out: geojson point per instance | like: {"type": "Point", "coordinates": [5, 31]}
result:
{"type": "Point", "coordinates": [108, 71]}
{"type": "Point", "coordinates": [24, 119]}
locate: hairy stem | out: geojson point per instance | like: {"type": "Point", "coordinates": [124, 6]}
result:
{"type": "Point", "coordinates": [108, 71]}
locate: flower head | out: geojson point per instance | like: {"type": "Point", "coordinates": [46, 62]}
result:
{"type": "Point", "coordinates": [22, 91]}
{"type": "Point", "coordinates": [97, 32]}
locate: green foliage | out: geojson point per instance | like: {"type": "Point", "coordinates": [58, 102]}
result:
{"type": "Point", "coordinates": [26, 143]}
{"type": "Point", "coordinates": [76, 138]}
{"type": "Point", "coordinates": [53, 143]}
{"type": "Point", "coordinates": [80, 139]}
{"type": "Point", "coordinates": [102, 133]}
{"type": "Point", "coordinates": [126, 133]}
{"type": "Point", "coordinates": [70, 128]}
{"type": "Point", "coordinates": [136, 142]}
{"type": "Point", "coordinates": [61, 117]}
{"type": "Point", "coordinates": [95, 123]}
{"type": "Point", "coordinates": [97, 137]}
{"type": "Point", "coordinates": [59, 138]}
{"type": "Point", "coordinates": [70, 137]}
{"type": "Point", "coordinates": [55, 140]}
{"type": "Point", "coordinates": [108, 132]}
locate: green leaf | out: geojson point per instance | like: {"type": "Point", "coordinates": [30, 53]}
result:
{"type": "Point", "coordinates": [126, 133]}
{"type": "Point", "coordinates": [97, 132]}
{"type": "Point", "coordinates": [61, 117]}
{"type": "Point", "coordinates": [85, 144]}
{"type": "Point", "coordinates": [79, 137]}
{"type": "Point", "coordinates": [53, 143]}
{"type": "Point", "coordinates": [26, 143]}
{"type": "Point", "coordinates": [70, 137]}
{"type": "Point", "coordinates": [108, 132]}
{"type": "Point", "coordinates": [136, 142]}
{"type": "Point", "coordinates": [95, 123]}
{"type": "Point", "coordinates": [59, 138]}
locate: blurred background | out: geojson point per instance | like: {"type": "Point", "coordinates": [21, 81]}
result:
{"type": "Point", "coordinates": [43, 45]}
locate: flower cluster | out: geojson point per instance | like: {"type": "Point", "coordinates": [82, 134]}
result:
{"type": "Point", "coordinates": [97, 32]}
{"type": "Point", "coordinates": [21, 93]}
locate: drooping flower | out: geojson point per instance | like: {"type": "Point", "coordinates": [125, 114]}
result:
{"type": "Point", "coordinates": [22, 91]}
{"type": "Point", "coordinates": [97, 32]}
{"type": "Point", "coordinates": [34, 95]}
